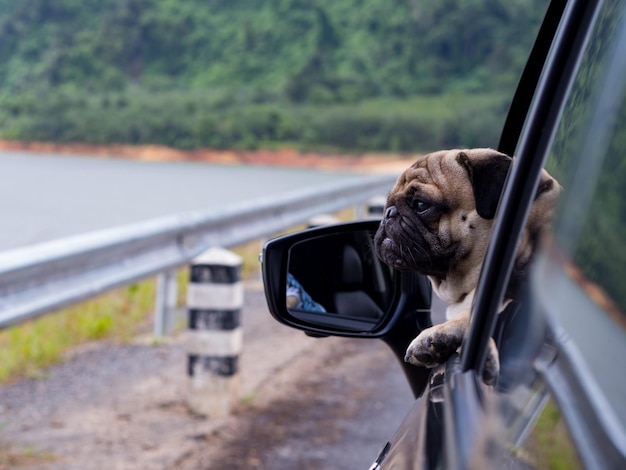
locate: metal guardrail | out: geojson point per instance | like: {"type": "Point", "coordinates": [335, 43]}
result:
{"type": "Point", "coordinates": [37, 279]}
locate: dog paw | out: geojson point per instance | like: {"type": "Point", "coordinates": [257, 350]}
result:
{"type": "Point", "coordinates": [433, 346]}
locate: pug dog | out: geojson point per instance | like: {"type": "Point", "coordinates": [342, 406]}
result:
{"type": "Point", "coordinates": [437, 222]}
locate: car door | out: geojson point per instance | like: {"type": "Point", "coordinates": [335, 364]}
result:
{"type": "Point", "coordinates": [565, 337]}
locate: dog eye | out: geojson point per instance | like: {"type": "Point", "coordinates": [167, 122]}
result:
{"type": "Point", "coordinates": [421, 206]}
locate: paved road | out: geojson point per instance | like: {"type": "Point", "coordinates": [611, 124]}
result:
{"type": "Point", "coordinates": [306, 404]}
{"type": "Point", "coordinates": [44, 197]}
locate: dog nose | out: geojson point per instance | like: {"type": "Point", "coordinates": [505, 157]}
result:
{"type": "Point", "coordinates": [391, 212]}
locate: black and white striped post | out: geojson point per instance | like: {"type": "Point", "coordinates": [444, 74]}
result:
{"type": "Point", "coordinates": [214, 302]}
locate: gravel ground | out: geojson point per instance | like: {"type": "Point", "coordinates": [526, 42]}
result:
{"type": "Point", "coordinates": [305, 403]}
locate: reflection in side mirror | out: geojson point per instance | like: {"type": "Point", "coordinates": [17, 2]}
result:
{"type": "Point", "coordinates": [338, 276]}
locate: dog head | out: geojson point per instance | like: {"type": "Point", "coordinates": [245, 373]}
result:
{"type": "Point", "coordinates": [439, 216]}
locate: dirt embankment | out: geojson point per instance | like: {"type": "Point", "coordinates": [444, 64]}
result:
{"type": "Point", "coordinates": [369, 162]}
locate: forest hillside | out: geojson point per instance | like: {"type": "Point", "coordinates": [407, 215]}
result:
{"type": "Point", "coordinates": [354, 75]}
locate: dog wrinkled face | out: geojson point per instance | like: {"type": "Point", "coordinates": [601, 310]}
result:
{"type": "Point", "coordinates": [440, 212]}
{"type": "Point", "coordinates": [410, 237]}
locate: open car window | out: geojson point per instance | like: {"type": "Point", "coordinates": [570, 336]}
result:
{"type": "Point", "coordinates": [579, 278]}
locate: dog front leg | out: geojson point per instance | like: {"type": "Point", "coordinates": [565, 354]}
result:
{"type": "Point", "coordinates": [436, 344]}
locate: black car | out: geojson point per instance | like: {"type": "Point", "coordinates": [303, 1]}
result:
{"type": "Point", "coordinates": [563, 343]}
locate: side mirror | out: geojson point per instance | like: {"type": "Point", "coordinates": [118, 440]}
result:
{"type": "Point", "coordinates": [329, 281]}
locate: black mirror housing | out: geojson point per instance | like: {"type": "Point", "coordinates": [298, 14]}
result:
{"type": "Point", "coordinates": [328, 281]}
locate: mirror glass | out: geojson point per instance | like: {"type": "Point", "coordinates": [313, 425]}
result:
{"type": "Point", "coordinates": [337, 277]}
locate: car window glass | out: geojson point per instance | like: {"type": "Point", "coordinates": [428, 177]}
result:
{"type": "Point", "coordinates": [581, 276]}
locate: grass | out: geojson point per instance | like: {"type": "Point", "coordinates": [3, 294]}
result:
{"type": "Point", "coordinates": [550, 444]}
{"type": "Point", "coordinates": [12, 458]}
{"type": "Point", "coordinates": [27, 348]}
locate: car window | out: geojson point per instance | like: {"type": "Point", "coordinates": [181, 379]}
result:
{"type": "Point", "coordinates": [581, 273]}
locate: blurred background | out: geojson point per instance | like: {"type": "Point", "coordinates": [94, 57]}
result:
{"type": "Point", "coordinates": [348, 75]}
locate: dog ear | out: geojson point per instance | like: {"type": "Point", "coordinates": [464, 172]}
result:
{"type": "Point", "coordinates": [487, 174]}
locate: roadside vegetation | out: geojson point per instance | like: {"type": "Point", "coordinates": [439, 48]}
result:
{"type": "Point", "coordinates": [28, 348]}
{"type": "Point", "coordinates": [11, 457]}
{"type": "Point", "coordinates": [189, 120]}
{"type": "Point", "coordinates": [550, 445]}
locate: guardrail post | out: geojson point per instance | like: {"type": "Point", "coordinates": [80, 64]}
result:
{"type": "Point", "coordinates": [165, 305]}
{"type": "Point", "coordinates": [214, 301]}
